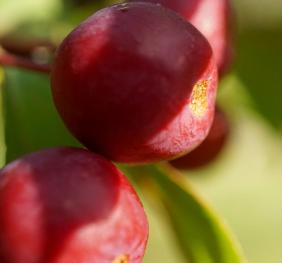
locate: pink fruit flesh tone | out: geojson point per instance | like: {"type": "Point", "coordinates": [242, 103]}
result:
{"type": "Point", "coordinates": [66, 205]}
{"type": "Point", "coordinates": [211, 147]}
{"type": "Point", "coordinates": [136, 83]}
{"type": "Point", "coordinates": [213, 19]}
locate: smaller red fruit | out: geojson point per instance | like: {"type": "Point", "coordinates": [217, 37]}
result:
{"type": "Point", "coordinates": [209, 150]}
{"type": "Point", "coordinates": [67, 205]}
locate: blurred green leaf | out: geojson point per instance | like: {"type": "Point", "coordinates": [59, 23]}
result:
{"type": "Point", "coordinates": [259, 68]}
{"type": "Point", "coordinates": [2, 133]}
{"type": "Point", "coordinates": [32, 121]}
{"type": "Point", "coordinates": [14, 12]}
{"type": "Point", "coordinates": [86, 8]}
{"type": "Point", "coordinates": [162, 244]}
{"type": "Point", "coordinates": [259, 14]}
{"type": "Point", "coordinates": [201, 233]}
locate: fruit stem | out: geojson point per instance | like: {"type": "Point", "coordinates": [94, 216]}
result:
{"type": "Point", "coordinates": [7, 59]}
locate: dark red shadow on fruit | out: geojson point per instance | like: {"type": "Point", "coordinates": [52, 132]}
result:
{"type": "Point", "coordinates": [211, 147]}
{"type": "Point", "coordinates": [45, 202]}
{"type": "Point", "coordinates": [142, 79]}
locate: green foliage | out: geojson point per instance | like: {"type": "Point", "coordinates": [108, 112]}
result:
{"type": "Point", "coordinates": [32, 122]}
{"type": "Point", "coordinates": [14, 13]}
{"type": "Point", "coordinates": [2, 132]}
{"type": "Point", "coordinates": [201, 233]}
{"type": "Point", "coordinates": [259, 67]}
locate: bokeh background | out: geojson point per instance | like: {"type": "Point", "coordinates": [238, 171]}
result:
{"type": "Point", "coordinates": [244, 184]}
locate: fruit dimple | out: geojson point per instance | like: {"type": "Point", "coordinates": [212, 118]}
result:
{"type": "Point", "coordinates": [199, 101]}
{"type": "Point", "coordinates": [121, 259]}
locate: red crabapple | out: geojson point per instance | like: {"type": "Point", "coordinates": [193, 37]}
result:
{"type": "Point", "coordinates": [213, 19]}
{"type": "Point", "coordinates": [210, 148]}
{"type": "Point", "coordinates": [136, 83]}
{"type": "Point", "coordinates": [67, 205]}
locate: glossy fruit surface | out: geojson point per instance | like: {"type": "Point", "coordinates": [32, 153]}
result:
{"type": "Point", "coordinates": [211, 147]}
{"type": "Point", "coordinates": [213, 19]}
{"type": "Point", "coordinates": [136, 83]}
{"type": "Point", "coordinates": [66, 205]}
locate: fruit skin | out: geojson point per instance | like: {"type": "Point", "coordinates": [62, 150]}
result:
{"type": "Point", "coordinates": [66, 205]}
{"type": "Point", "coordinates": [136, 83]}
{"type": "Point", "coordinates": [211, 147]}
{"type": "Point", "coordinates": [214, 19]}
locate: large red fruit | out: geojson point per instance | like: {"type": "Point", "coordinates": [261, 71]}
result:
{"type": "Point", "coordinates": [136, 83]}
{"type": "Point", "coordinates": [66, 205]}
{"type": "Point", "coordinates": [210, 148]}
{"type": "Point", "coordinates": [213, 19]}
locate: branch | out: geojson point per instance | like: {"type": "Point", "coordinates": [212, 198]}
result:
{"type": "Point", "coordinates": [7, 59]}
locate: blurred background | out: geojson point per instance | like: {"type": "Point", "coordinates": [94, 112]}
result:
{"type": "Point", "coordinates": [245, 182]}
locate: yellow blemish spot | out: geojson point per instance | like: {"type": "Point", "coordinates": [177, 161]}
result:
{"type": "Point", "coordinates": [199, 102]}
{"type": "Point", "coordinates": [121, 259]}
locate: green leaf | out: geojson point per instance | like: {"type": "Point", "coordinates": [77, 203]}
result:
{"type": "Point", "coordinates": [201, 233]}
{"type": "Point", "coordinates": [162, 244]}
{"type": "Point", "coordinates": [2, 133]}
{"type": "Point", "coordinates": [32, 121]}
{"type": "Point", "coordinates": [258, 66]}
{"type": "Point", "coordinates": [14, 13]}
